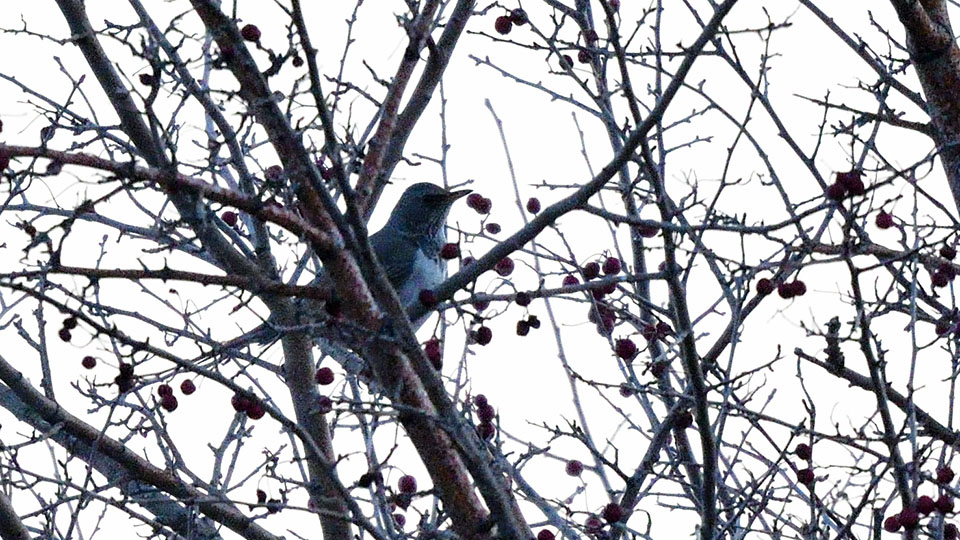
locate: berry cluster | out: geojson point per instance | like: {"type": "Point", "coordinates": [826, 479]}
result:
{"type": "Point", "coordinates": [909, 518]}
{"type": "Point", "coordinates": [505, 23]}
{"type": "Point", "coordinates": [485, 414]}
{"type": "Point", "coordinates": [846, 184]}
{"type": "Point", "coordinates": [251, 406]}
{"type": "Point", "coordinates": [805, 475]}
{"type": "Point", "coordinates": [68, 324]}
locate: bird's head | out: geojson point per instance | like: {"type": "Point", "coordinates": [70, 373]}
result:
{"type": "Point", "coordinates": [423, 208]}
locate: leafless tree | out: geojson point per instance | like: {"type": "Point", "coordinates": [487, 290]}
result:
{"type": "Point", "coordinates": [211, 158]}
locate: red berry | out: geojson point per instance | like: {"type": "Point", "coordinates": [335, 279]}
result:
{"type": "Point", "coordinates": [659, 368]}
{"type": "Point", "coordinates": [467, 261]}
{"type": "Point", "coordinates": [612, 513]}
{"type": "Point", "coordinates": [836, 191]}
{"type": "Point", "coordinates": [626, 349]}
{"type": "Point", "coordinates": [944, 475]}
{"type": "Point", "coordinates": [400, 520]}
{"type": "Point", "coordinates": [939, 279]}
{"type": "Point", "coordinates": [229, 217]}
{"type": "Point", "coordinates": [545, 534]}
{"type": "Point", "coordinates": [486, 412]}
{"type": "Point", "coordinates": [805, 476]}
{"type": "Point", "coordinates": [261, 496]}
{"type": "Point", "coordinates": [88, 362]}
{"type": "Point", "coordinates": [164, 390]}
{"type": "Point", "coordinates": [949, 531]}
{"type": "Point", "coordinates": [785, 290]}
{"type": "Point", "coordinates": [147, 79]}
{"type": "Point", "coordinates": [945, 504]}
{"type": "Point", "coordinates": [450, 251]}
{"type": "Point", "coordinates": [566, 62]}
{"type": "Point", "coordinates": [256, 410]}
{"type": "Point", "coordinates": [615, 4]}
{"type": "Point", "coordinates": [64, 335]}
{"type": "Point", "coordinates": [523, 328]}
{"type": "Point", "coordinates": [925, 504]}
{"type": "Point", "coordinates": [611, 266]}
{"type": "Point", "coordinates": [584, 56]}
{"type": "Point", "coordinates": [892, 523]}
{"type": "Point", "coordinates": [250, 32]}
{"type": "Point", "coordinates": [909, 518]}
{"type": "Point", "coordinates": [480, 400]}
{"type": "Point", "coordinates": [483, 335]}
{"type": "Point", "coordinates": [324, 376]}
{"type": "Point", "coordinates": [240, 402]}
{"type": "Point", "coordinates": [4, 161]}
{"type": "Point", "coordinates": [570, 280]}
{"type": "Point", "coordinates": [533, 205]}
{"type": "Point", "coordinates": [492, 228]}
{"type": "Point", "coordinates": [647, 230]}
{"type": "Point", "coordinates": [428, 298]}
{"type": "Point", "coordinates": [593, 524]}
{"type": "Point", "coordinates": [590, 270]}
{"type": "Point", "coordinates": [519, 17]}
{"type": "Point", "coordinates": [432, 351]}
{"type": "Point", "coordinates": [684, 420]}
{"type": "Point", "coordinates": [948, 252]}
{"type": "Point", "coordinates": [481, 305]}
{"type": "Point", "coordinates": [324, 404]}
{"type": "Point", "coordinates": [274, 173]}
{"type": "Point", "coordinates": [852, 182]}
{"type": "Point", "coordinates": [804, 451]}
{"type": "Point", "coordinates": [187, 387]}
{"type": "Point", "coordinates": [484, 206]}
{"type": "Point", "coordinates": [626, 391]}
{"type": "Point", "coordinates": [169, 402]}
{"type": "Point", "coordinates": [884, 220]}
{"type": "Point", "coordinates": [486, 430]}
{"type": "Point", "coordinates": [126, 370]}
{"type": "Point", "coordinates": [297, 61]}
{"type": "Point", "coordinates": [574, 467]}
{"type": "Point", "coordinates": [505, 266]}
{"type": "Point", "coordinates": [765, 286]}
{"type": "Point", "coordinates": [533, 321]}
{"type": "Point", "coordinates": [407, 484]}
{"type": "Point", "coordinates": [799, 288]}
{"type": "Point", "coordinates": [474, 200]}
{"type": "Point", "coordinates": [503, 24]}
{"type": "Point", "coordinates": [523, 299]}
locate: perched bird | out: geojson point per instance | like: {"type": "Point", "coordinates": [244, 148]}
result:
{"type": "Point", "coordinates": [407, 247]}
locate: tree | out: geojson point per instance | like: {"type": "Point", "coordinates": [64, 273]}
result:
{"type": "Point", "coordinates": [209, 159]}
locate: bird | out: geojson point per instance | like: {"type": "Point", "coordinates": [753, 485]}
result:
{"type": "Point", "coordinates": [408, 248]}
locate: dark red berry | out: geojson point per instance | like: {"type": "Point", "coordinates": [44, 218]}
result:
{"type": "Point", "coordinates": [324, 376]}
{"type": "Point", "coordinates": [799, 288]}
{"type": "Point", "coordinates": [432, 351]}
{"type": "Point", "coordinates": [484, 206]}
{"type": "Point", "coordinates": [626, 349]}
{"type": "Point", "coordinates": [428, 298]}
{"type": "Point", "coordinates": [925, 504]}
{"type": "Point", "coordinates": [261, 496]}
{"type": "Point", "coordinates": [399, 519]}
{"type": "Point", "coordinates": [647, 231]}
{"type": "Point", "coordinates": [659, 368]}
{"type": "Point", "coordinates": [612, 266]}
{"type": "Point", "coordinates": [324, 404]}
{"type": "Point", "coordinates": [486, 412]}
{"type": "Point", "coordinates": [948, 252]}
{"type": "Point", "coordinates": [533, 205]}
{"type": "Point", "coordinates": [574, 467]}
{"type": "Point", "coordinates": [836, 191]}
{"type": "Point", "coordinates": [297, 61]}
{"type": "Point", "coordinates": [945, 504]}
{"type": "Point", "coordinates": [492, 228]}
{"type": "Point", "coordinates": [570, 280]}
{"type": "Point", "coordinates": [483, 335]}
{"type": "Point", "coordinates": [785, 290]}
{"type": "Point", "coordinates": [884, 220]}
{"type": "Point", "coordinates": [533, 321]}
{"type": "Point", "coordinates": [626, 390]}
{"type": "Point", "coordinates": [147, 79]}
{"type": "Point", "coordinates": [892, 523]}
{"type": "Point", "coordinates": [407, 484]}
{"type": "Point", "coordinates": [593, 524]}
{"type": "Point", "coordinates": [169, 402]}
{"type": "Point", "coordinates": [64, 335]}
{"type": "Point", "coordinates": [944, 475]}
{"type": "Point", "coordinates": [523, 328]}
{"type": "Point", "coordinates": [88, 362]}
{"type": "Point", "coordinates": [505, 266]}
{"type": "Point", "coordinates": [615, 4]}
{"type": "Point", "coordinates": [70, 323]}
{"type": "Point", "coordinates": [804, 451]}
{"type": "Point", "coordinates": [523, 299]}
{"type": "Point", "coordinates": [684, 420]}
{"type": "Point", "coordinates": [187, 387]}
{"type": "Point", "coordinates": [450, 251]}
{"type": "Point", "coordinates": [256, 410]}
{"type": "Point", "coordinates": [240, 402]}
{"type": "Point", "coordinates": [805, 476]}
{"type": "Point", "coordinates": [486, 430]}
{"type": "Point", "coordinates": [481, 305]}
{"type": "Point", "coordinates": [949, 531]}
{"type": "Point", "coordinates": [480, 400]}
{"type": "Point", "coordinates": [939, 279]}
{"type": "Point", "coordinates": [519, 17]}
{"type": "Point", "coordinates": [467, 261]}
{"type": "Point", "coordinates": [503, 24]}
{"type": "Point", "coordinates": [590, 35]}
{"type": "Point", "coordinates": [164, 390]}
{"type": "Point", "coordinates": [909, 518]}
{"type": "Point", "coordinates": [566, 62]}
{"type": "Point", "coordinates": [765, 286]}
{"type": "Point", "coordinates": [126, 370]}
{"type": "Point", "coordinates": [590, 270]}
{"type": "Point", "coordinates": [250, 32]}
{"type": "Point", "coordinates": [545, 534]}
{"type": "Point", "coordinates": [229, 217]}
{"type": "Point", "coordinates": [852, 182]}
{"type": "Point", "coordinates": [612, 513]}
{"type": "Point", "coordinates": [474, 200]}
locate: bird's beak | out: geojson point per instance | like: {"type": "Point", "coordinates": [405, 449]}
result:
{"type": "Point", "coordinates": [454, 195]}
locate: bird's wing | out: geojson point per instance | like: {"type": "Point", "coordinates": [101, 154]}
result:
{"type": "Point", "coordinates": [396, 257]}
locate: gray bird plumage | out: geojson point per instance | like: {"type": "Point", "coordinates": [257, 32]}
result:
{"type": "Point", "coordinates": [407, 247]}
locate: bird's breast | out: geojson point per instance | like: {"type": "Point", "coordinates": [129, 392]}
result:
{"type": "Point", "coordinates": [427, 272]}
